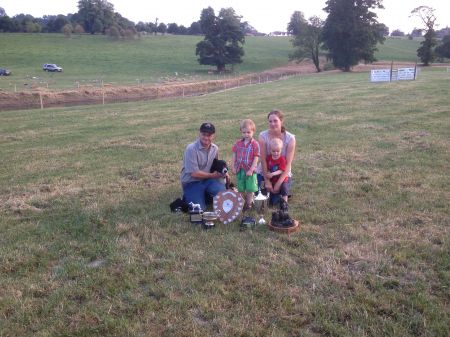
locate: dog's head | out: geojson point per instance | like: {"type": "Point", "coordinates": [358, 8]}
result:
{"type": "Point", "coordinates": [219, 166]}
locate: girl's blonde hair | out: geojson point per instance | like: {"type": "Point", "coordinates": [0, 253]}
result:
{"type": "Point", "coordinates": [247, 123]}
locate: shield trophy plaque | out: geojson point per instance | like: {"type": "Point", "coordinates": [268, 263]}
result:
{"type": "Point", "coordinates": [228, 205]}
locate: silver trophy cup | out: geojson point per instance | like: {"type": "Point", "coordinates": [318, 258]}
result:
{"type": "Point", "coordinates": [260, 204]}
{"type": "Point", "coordinates": [208, 219]}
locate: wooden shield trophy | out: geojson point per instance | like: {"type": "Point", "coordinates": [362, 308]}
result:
{"type": "Point", "coordinates": [228, 205]}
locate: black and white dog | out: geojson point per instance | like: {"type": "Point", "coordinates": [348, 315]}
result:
{"type": "Point", "coordinates": [221, 166]}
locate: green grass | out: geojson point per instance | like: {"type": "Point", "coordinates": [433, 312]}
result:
{"type": "Point", "coordinates": [88, 246]}
{"type": "Point", "coordinates": [89, 60]}
{"type": "Point", "coordinates": [398, 49]}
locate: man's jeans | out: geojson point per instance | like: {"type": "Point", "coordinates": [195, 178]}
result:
{"type": "Point", "coordinates": [196, 191]}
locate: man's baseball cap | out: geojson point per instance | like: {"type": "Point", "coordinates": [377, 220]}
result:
{"type": "Point", "coordinates": [207, 128]}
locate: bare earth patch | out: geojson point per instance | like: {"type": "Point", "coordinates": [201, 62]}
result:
{"type": "Point", "coordinates": [43, 97]}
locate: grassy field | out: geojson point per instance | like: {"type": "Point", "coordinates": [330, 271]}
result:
{"type": "Point", "coordinates": [398, 49]}
{"type": "Point", "coordinates": [89, 60]}
{"type": "Point", "coordinates": [88, 246]}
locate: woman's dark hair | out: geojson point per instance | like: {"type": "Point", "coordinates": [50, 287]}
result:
{"type": "Point", "coordinates": [280, 116]}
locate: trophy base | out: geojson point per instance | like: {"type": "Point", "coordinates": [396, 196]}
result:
{"type": "Point", "coordinates": [208, 225]}
{"type": "Point", "coordinates": [286, 230]}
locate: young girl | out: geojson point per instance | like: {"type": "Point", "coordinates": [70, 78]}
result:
{"type": "Point", "coordinates": [245, 159]}
{"type": "Point", "coordinates": [276, 165]}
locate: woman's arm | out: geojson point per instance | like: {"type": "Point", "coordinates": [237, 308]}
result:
{"type": "Point", "coordinates": [276, 173]}
{"type": "Point", "coordinates": [262, 148]}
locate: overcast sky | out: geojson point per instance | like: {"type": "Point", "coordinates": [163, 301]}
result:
{"type": "Point", "coordinates": [265, 16]}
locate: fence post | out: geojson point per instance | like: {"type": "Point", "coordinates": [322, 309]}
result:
{"type": "Point", "coordinates": [103, 96]}
{"type": "Point", "coordinates": [40, 99]}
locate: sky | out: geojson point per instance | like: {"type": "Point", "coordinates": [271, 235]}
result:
{"type": "Point", "coordinates": [265, 16]}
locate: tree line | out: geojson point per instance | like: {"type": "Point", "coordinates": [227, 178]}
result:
{"type": "Point", "coordinates": [97, 17]}
{"type": "Point", "coordinates": [351, 32]}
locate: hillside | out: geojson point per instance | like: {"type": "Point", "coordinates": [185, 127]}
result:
{"type": "Point", "coordinates": [92, 59]}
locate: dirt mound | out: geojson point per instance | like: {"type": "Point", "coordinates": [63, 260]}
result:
{"type": "Point", "coordinates": [44, 98]}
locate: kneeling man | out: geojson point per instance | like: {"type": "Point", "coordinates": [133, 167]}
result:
{"type": "Point", "coordinates": [197, 181]}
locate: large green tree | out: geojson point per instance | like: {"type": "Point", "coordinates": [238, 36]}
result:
{"type": "Point", "coordinates": [96, 15]}
{"type": "Point", "coordinates": [307, 40]}
{"type": "Point", "coordinates": [351, 31]}
{"type": "Point", "coordinates": [296, 23]}
{"type": "Point", "coordinates": [426, 49]}
{"type": "Point", "coordinates": [443, 50]}
{"type": "Point", "coordinates": [224, 39]}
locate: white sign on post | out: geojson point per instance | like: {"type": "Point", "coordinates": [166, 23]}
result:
{"type": "Point", "coordinates": [404, 74]}
{"type": "Point", "coordinates": [380, 75]}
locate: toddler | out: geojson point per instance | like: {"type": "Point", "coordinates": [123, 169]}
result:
{"type": "Point", "coordinates": [245, 158]}
{"type": "Point", "coordinates": [276, 165]}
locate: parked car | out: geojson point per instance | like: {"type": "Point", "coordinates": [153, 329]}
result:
{"type": "Point", "coordinates": [52, 67]}
{"type": "Point", "coordinates": [4, 72]}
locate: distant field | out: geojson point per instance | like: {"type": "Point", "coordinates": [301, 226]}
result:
{"type": "Point", "coordinates": [398, 49]}
{"type": "Point", "coordinates": [151, 59]}
{"type": "Point", "coordinates": [88, 246]}
{"type": "Point", "coordinates": [90, 59]}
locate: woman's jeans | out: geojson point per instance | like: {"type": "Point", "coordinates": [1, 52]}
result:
{"type": "Point", "coordinates": [274, 198]}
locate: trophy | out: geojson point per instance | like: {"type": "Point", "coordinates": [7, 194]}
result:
{"type": "Point", "coordinates": [261, 206]}
{"type": "Point", "coordinates": [195, 213]}
{"type": "Point", "coordinates": [208, 219]}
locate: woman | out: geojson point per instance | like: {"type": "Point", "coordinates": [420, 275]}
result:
{"type": "Point", "coordinates": [276, 130]}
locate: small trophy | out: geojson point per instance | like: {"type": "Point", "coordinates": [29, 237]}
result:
{"type": "Point", "coordinates": [261, 206]}
{"type": "Point", "coordinates": [195, 213]}
{"type": "Point", "coordinates": [208, 219]}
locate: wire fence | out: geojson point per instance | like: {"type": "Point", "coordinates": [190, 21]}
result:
{"type": "Point", "coordinates": [40, 95]}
